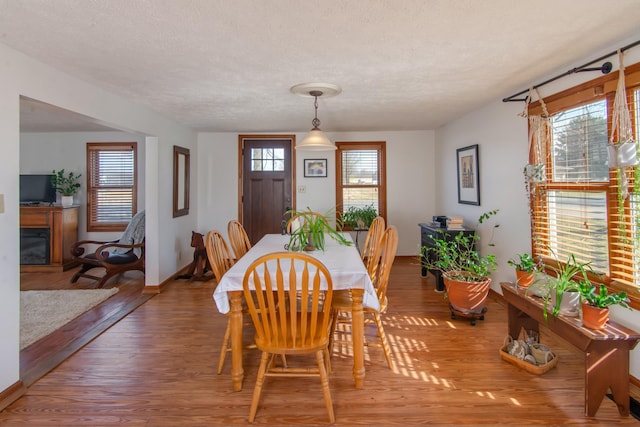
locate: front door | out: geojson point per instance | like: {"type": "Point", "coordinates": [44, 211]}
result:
{"type": "Point", "coordinates": [267, 183]}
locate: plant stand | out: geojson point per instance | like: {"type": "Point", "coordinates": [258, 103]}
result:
{"type": "Point", "coordinates": [479, 315]}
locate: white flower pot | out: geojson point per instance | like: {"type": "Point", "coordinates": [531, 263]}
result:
{"type": "Point", "coordinates": [67, 201]}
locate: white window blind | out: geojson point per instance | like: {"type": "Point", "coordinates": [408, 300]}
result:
{"type": "Point", "coordinates": [111, 184]}
{"type": "Point", "coordinates": [360, 176]}
{"type": "Point", "coordinates": [580, 208]}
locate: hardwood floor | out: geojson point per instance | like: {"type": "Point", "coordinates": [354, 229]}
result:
{"type": "Point", "coordinates": [157, 367]}
{"type": "Point", "coordinates": [45, 354]}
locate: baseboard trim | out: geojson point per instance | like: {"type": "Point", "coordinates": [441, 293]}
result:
{"type": "Point", "coordinates": [11, 394]}
{"type": "Point", "coordinates": [156, 289]}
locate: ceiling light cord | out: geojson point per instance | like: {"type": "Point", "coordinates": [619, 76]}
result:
{"type": "Point", "coordinates": [315, 122]}
{"type": "Point", "coordinates": [315, 140]}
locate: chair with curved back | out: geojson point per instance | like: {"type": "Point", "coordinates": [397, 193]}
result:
{"type": "Point", "coordinates": [289, 297]}
{"type": "Point", "coordinates": [342, 301]}
{"type": "Point", "coordinates": [238, 238]}
{"type": "Point", "coordinates": [116, 256]}
{"type": "Point", "coordinates": [221, 260]}
{"type": "Point", "coordinates": [371, 244]}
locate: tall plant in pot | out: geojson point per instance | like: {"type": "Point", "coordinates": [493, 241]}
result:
{"type": "Point", "coordinates": [596, 301]}
{"type": "Point", "coordinates": [66, 184]}
{"type": "Point", "coordinates": [465, 271]}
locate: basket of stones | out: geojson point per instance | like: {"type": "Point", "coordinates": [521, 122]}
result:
{"type": "Point", "coordinates": [534, 358]}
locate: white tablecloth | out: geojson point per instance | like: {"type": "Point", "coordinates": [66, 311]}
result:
{"type": "Point", "coordinates": [343, 262]}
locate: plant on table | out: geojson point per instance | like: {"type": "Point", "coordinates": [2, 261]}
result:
{"type": "Point", "coordinates": [599, 296]}
{"type": "Point", "coordinates": [526, 268]}
{"type": "Point", "coordinates": [361, 217]}
{"type": "Point", "coordinates": [596, 301]}
{"type": "Point", "coordinates": [66, 184]}
{"type": "Point", "coordinates": [311, 233]}
{"type": "Point", "coordinates": [568, 276]}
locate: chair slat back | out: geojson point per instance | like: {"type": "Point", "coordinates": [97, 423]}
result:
{"type": "Point", "coordinates": [371, 249]}
{"type": "Point", "coordinates": [238, 238]}
{"type": "Point", "coordinates": [389, 247]}
{"type": "Point", "coordinates": [289, 311]}
{"type": "Point", "coordinates": [218, 253]}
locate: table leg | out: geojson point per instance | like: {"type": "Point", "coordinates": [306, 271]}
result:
{"type": "Point", "coordinates": [357, 325]}
{"type": "Point", "coordinates": [517, 320]}
{"type": "Point", "coordinates": [606, 366]}
{"type": "Point", "coordinates": [237, 372]}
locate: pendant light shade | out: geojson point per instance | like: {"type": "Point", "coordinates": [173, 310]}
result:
{"type": "Point", "coordinates": [316, 140]}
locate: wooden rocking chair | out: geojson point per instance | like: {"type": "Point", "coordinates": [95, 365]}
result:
{"type": "Point", "coordinates": [115, 256]}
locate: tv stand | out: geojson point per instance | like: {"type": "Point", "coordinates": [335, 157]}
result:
{"type": "Point", "coordinates": [62, 225]}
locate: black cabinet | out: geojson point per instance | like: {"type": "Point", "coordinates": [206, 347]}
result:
{"type": "Point", "coordinates": [427, 232]}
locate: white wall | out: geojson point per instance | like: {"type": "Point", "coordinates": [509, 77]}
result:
{"type": "Point", "coordinates": [503, 151]}
{"type": "Point", "coordinates": [41, 152]}
{"type": "Point", "coordinates": [410, 181]}
{"type": "Point", "coordinates": [23, 76]}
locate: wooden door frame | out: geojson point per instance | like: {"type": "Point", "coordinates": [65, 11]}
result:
{"type": "Point", "coordinates": [241, 138]}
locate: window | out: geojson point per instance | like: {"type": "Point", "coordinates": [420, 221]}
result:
{"type": "Point", "coordinates": [111, 185]}
{"type": "Point", "coordinates": [360, 176]}
{"type": "Point", "coordinates": [267, 159]}
{"type": "Point", "coordinates": [579, 208]}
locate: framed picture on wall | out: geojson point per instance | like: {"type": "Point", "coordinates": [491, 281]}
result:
{"type": "Point", "coordinates": [468, 175]}
{"type": "Point", "coordinates": [315, 168]}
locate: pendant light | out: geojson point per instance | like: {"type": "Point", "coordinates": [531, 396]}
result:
{"type": "Point", "coordinates": [316, 140]}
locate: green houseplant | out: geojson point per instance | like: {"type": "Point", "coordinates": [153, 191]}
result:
{"type": "Point", "coordinates": [526, 269]}
{"type": "Point", "coordinates": [465, 271]}
{"type": "Point", "coordinates": [66, 184]}
{"type": "Point", "coordinates": [565, 286]}
{"type": "Point", "coordinates": [313, 228]}
{"type": "Point", "coordinates": [360, 217]}
{"type": "Point", "coordinates": [596, 301]}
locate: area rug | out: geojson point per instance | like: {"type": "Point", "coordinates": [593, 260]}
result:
{"type": "Point", "coordinates": [42, 312]}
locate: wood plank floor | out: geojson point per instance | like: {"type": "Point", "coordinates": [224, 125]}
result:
{"type": "Point", "coordinates": [157, 367]}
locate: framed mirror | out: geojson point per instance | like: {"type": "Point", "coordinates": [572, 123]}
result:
{"type": "Point", "coordinates": [181, 173]}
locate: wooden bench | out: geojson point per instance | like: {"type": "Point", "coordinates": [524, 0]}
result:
{"type": "Point", "coordinates": [606, 351]}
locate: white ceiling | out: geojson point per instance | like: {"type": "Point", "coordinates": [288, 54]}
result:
{"type": "Point", "coordinates": [227, 65]}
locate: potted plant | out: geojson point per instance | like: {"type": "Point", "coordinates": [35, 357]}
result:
{"type": "Point", "coordinates": [562, 292]}
{"type": "Point", "coordinates": [595, 304]}
{"type": "Point", "coordinates": [66, 184]}
{"type": "Point", "coordinates": [465, 271]}
{"type": "Point", "coordinates": [526, 269]}
{"type": "Point", "coordinates": [310, 234]}
{"type": "Point", "coordinates": [360, 217]}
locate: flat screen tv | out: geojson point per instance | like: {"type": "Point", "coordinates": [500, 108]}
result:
{"type": "Point", "coordinates": [36, 189]}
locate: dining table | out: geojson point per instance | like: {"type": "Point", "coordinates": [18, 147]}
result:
{"type": "Point", "coordinates": [347, 270]}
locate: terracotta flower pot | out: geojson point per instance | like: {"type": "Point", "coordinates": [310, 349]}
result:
{"type": "Point", "coordinates": [594, 317]}
{"type": "Point", "coordinates": [524, 279]}
{"type": "Point", "coordinates": [467, 297]}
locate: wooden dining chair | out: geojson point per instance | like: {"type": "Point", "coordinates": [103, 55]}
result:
{"type": "Point", "coordinates": [221, 260]}
{"type": "Point", "coordinates": [238, 238]}
{"type": "Point", "coordinates": [371, 245]}
{"type": "Point", "coordinates": [342, 300]}
{"type": "Point", "coordinates": [289, 297]}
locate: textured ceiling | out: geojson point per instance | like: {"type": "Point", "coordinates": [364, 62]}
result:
{"type": "Point", "coordinates": [227, 65]}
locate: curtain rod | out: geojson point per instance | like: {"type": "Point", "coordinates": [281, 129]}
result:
{"type": "Point", "coordinates": [605, 69]}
